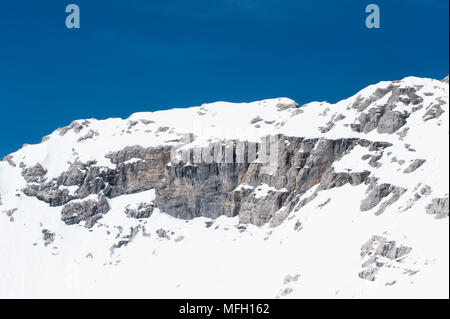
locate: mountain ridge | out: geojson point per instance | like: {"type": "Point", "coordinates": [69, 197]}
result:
{"type": "Point", "coordinates": [272, 176]}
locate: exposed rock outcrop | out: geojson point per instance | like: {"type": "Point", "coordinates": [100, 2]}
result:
{"type": "Point", "coordinates": [438, 207]}
{"type": "Point", "coordinates": [395, 195]}
{"type": "Point", "coordinates": [188, 188]}
{"type": "Point", "coordinates": [384, 118]}
{"type": "Point", "coordinates": [414, 165]}
{"type": "Point", "coordinates": [10, 213]}
{"type": "Point", "coordinates": [89, 211]}
{"type": "Point", "coordinates": [48, 237]}
{"type": "Point", "coordinates": [127, 178]}
{"type": "Point", "coordinates": [375, 196]}
{"type": "Point", "coordinates": [34, 174]}
{"type": "Point", "coordinates": [200, 189]}
{"type": "Point", "coordinates": [143, 210]}
{"type": "Point", "coordinates": [375, 248]}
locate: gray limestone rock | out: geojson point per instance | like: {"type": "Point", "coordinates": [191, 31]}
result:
{"type": "Point", "coordinates": [89, 135]}
{"type": "Point", "coordinates": [383, 117]}
{"type": "Point", "coordinates": [395, 195]}
{"type": "Point", "coordinates": [380, 119]}
{"type": "Point", "coordinates": [75, 126]}
{"type": "Point", "coordinates": [162, 233]}
{"type": "Point", "coordinates": [256, 120]}
{"type": "Point", "coordinates": [433, 112]}
{"type": "Point", "coordinates": [414, 165]}
{"type": "Point", "coordinates": [379, 246]}
{"type": "Point", "coordinates": [10, 213]}
{"type": "Point", "coordinates": [290, 278]}
{"type": "Point", "coordinates": [34, 174]}
{"type": "Point", "coordinates": [374, 161]}
{"type": "Point", "coordinates": [375, 196]}
{"type": "Point", "coordinates": [438, 207]}
{"type": "Point", "coordinates": [126, 239]}
{"type": "Point", "coordinates": [89, 211]}
{"type": "Point", "coordinates": [391, 121]}
{"type": "Point", "coordinates": [48, 237]}
{"type": "Point", "coordinates": [375, 248]}
{"type": "Point", "coordinates": [187, 189]}
{"type": "Point", "coordinates": [331, 179]}
{"type": "Point", "coordinates": [210, 189]}
{"type": "Point", "coordinates": [126, 178]}
{"type": "Point", "coordinates": [368, 273]}
{"type": "Point", "coordinates": [9, 160]}
{"type": "Point", "coordinates": [286, 106]}
{"type": "Point", "coordinates": [362, 103]}
{"type": "Point", "coordinates": [49, 193]}
{"type": "Point", "coordinates": [143, 210]}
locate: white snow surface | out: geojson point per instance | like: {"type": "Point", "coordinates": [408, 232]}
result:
{"type": "Point", "coordinates": [199, 260]}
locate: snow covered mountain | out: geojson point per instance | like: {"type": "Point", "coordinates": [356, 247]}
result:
{"type": "Point", "coordinates": [252, 200]}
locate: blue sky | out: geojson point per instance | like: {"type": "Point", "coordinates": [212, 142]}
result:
{"type": "Point", "coordinates": [137, 55]}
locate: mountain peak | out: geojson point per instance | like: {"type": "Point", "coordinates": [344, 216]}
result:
{"type": "Point", "coordinates": [264, 183]}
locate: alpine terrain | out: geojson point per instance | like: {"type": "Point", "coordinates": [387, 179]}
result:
{"type": "Point", "coordinates": [270, 199]}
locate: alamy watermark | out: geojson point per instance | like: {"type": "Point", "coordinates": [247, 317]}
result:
{"type": "Point", "coordinates": [210, 144]}
{"type": "Point", "coordinates": [73, 19]}
{"type": "Point", "coordinates": [204, 149]}
{"type": "Point", "coordinates": [266, 150]}
{"type": "Point", "coordinates": [373, 19]}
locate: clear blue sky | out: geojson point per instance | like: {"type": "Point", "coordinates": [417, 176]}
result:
{"type": "Point", "coordinates": [138, 55]}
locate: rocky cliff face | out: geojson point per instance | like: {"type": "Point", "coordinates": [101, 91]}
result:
{"type": "Point", "coordinates": [232, 189]}
{"type": "Point", "coordinates": [187, 190]}
{"type": "Point", "coordinates": [387, 147]}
